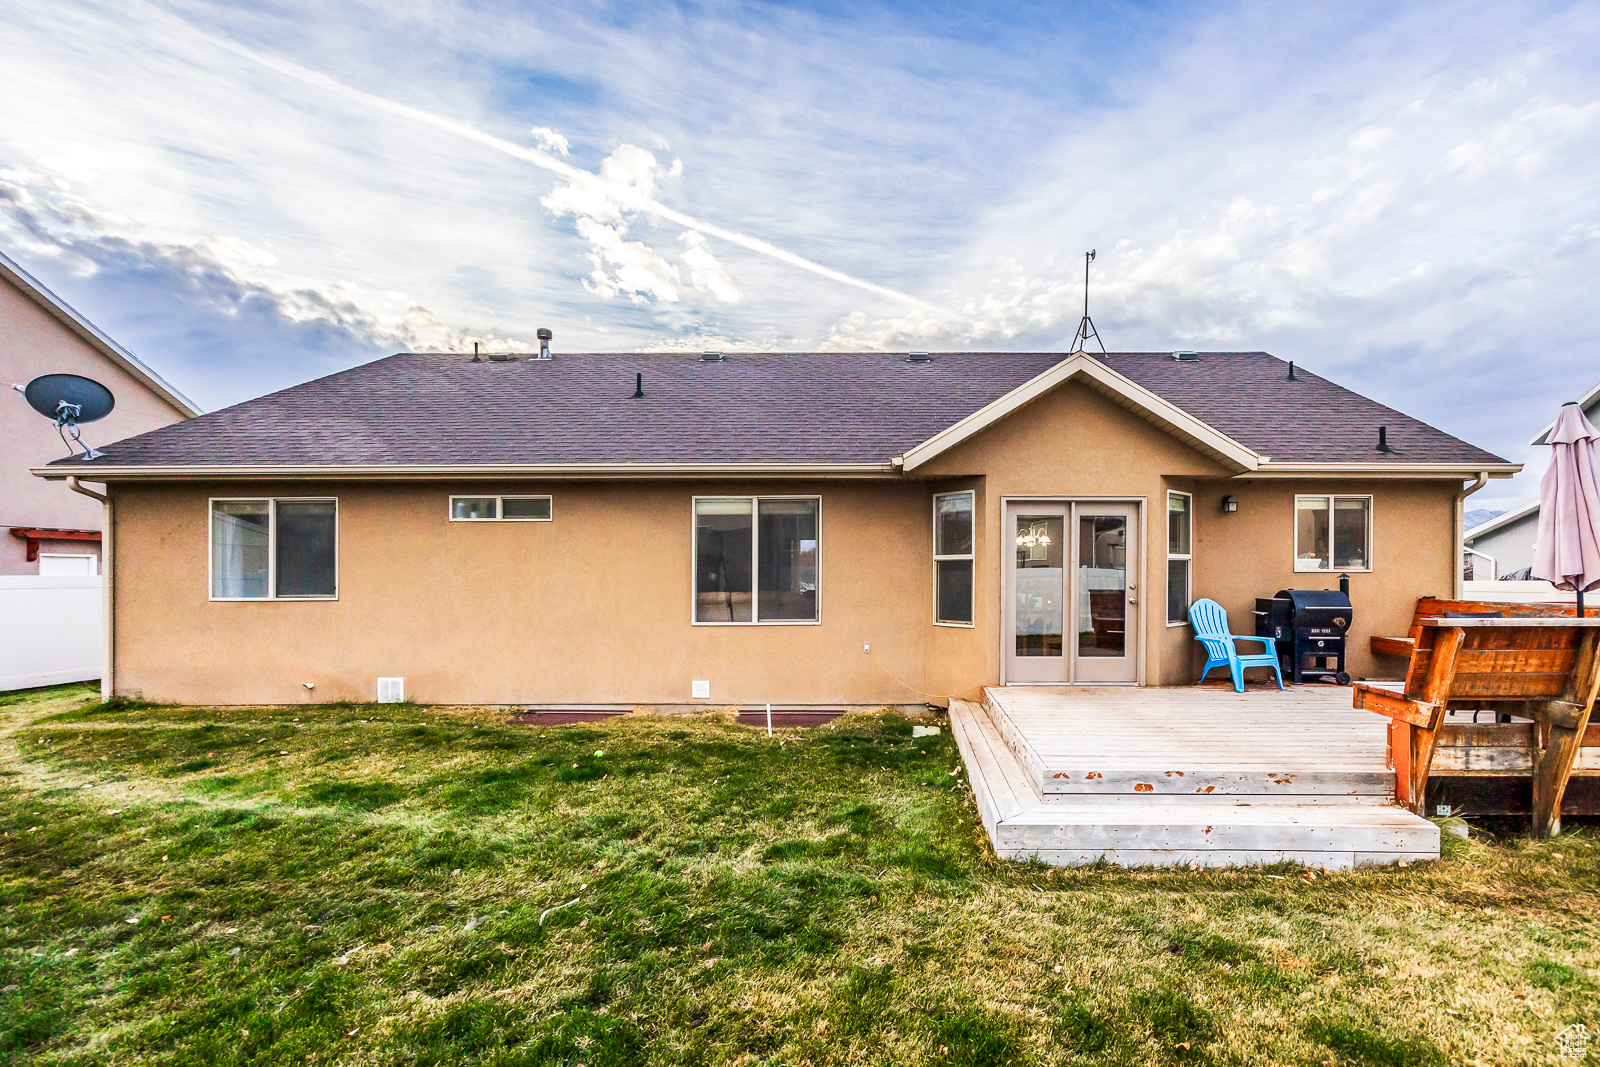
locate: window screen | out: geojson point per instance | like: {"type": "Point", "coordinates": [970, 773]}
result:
{"type": "Point", "coordinates": [787, 578]}
{"type": "Point", "coordinates": [306, 548]}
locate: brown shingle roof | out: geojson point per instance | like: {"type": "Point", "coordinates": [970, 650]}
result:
{"type": "Point", "coordinates": [442, 409]}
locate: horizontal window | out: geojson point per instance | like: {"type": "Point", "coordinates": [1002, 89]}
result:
{"type": "Point", "coordinates": [1333, 533]}
{"type": "Point", "coordinates": [500, 509]}
{"type": "Point", "coordinates": [274, 549]}
{"type": "Point", "coordinates": [952, 558]}
{"type": "Point", "coordinates": [755, 559]}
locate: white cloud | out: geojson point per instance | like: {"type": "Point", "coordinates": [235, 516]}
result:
{"type": "Point", "coordinates": [551, 141]}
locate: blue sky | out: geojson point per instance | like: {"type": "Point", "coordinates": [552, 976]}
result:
{"type": "Point", "coordinates": [1402, 199]}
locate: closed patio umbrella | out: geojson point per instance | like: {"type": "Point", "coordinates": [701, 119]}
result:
{"type": "Point", "coordinates": [1568, 552]}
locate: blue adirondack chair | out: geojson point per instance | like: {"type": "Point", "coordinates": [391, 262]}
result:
{"type": "Point", "coordinates": [1210, 624]}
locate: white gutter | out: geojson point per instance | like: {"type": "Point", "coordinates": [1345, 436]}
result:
{"type": "Point", "coordinates": [108, 619]}
{"type": "Point", "coordinates": [1458, 522]}
{"type": "Point", "coordinates": [1383, 470]}
{"type": "Point", "coordinates": [439, 472]}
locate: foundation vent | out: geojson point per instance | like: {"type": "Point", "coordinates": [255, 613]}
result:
{"type": "Point", "coordinates": [391, 690]}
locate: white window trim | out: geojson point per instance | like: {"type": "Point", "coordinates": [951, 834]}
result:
{"type": "Point", "coordinates": [272, 548]}
{"type": "Point", "coordinates": [1330, 568]}
{"type": "Point", "coordinates": [1188, 594]}
{"type": "Point", "coordinates": [499, 506]}
{"type": "Point", "coordinates": [755, 557]}
{"type": "Point", "coordinates": [971, 557]}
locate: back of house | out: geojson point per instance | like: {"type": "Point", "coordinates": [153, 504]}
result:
{"type": "Point", "coordinates": [801, 529]}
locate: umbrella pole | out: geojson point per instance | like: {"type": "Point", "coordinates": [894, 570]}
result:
{"type": "Point", "coordinates": [1580, 603]}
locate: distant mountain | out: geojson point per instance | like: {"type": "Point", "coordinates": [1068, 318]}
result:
{"type": "Point", "coordinates": [1478, 517]}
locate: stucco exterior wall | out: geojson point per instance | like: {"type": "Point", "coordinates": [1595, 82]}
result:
{"type": "Point", "coordinates": [594, 607]}
{"type": "Point", "coordinates": [591, 608]}
{"type": "Point", "coordinates": [1250, 553]}
{"type": "Point", "coordinates": [1074, 442]}
{"type": "Point", "coordinates": [32, 342]}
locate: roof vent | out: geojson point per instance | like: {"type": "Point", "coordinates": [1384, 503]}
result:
{"type": "Point", "coordinates": [544, 337]}
{"type": "Point", "coordinates": [918, 357]}
{"type": "Point", "coordinates": [1186, 357]}
{"type": "Point", "coordinates": [1383, 441]}
{"type": "Point", "coordinates": [711, 357]}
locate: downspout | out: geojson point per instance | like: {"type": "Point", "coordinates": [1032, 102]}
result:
{"type": "Point", "coordinates": [1460, 532]}
{"type": "Point", "coordinates": [107, 683]}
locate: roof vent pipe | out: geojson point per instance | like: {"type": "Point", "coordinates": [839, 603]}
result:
{"type": "Point", "coordinates": [918, 357]}
{"type": "Point", "coordinates": [638, 386]}
{"type": "Point", "coordinates": [1291, 377]}
{"type": "Point", "coordinates": [711, 357]}
{"type": "Point", "coordinates": [475, 357]}
{"type": "Point", "coordinates": [1186, 357]}
{"type": "Point", "coordinates": [544, 337]}
{"type": "Point", "coordinates": [1383, 441]}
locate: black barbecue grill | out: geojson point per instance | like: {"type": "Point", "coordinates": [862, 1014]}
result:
{"type": "Point", "coordinates": [1309, 627]}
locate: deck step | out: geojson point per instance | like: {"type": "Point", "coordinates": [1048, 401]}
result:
{"type": "Point", "coordinates": [1136, 829]}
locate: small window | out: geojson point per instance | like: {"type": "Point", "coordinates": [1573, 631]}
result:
{"type": "Point", "coordinates": [755, 559]}
{"type": "Point", "coordinates": [952, 558]}
{"type": "Point", "coordinates": [500, 509]}
{"type": "Point", "coordinates": [1333, 533]}
{"type": "Point", "coordinates": [274, 549]}
{"type": "Point", "coordinates": [1180, 556]}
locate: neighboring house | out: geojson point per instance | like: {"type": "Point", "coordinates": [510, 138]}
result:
{"type": "Point", "coordinates": [804, 529]}
{"type": "Point", "coordinates": [1508, 539]}
{"type": "Point", "coordinates": [51, 529]}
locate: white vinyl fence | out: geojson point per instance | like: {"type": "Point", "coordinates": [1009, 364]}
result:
{"type": "Point", "coordinates": [1526, 593]}
{"type": "Point", "coordinates": [51, 629]}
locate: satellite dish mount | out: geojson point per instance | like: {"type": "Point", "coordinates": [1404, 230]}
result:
{"type": "Point", "coordinates": [1086, 328]}
{"type": "Point", "coordinates": [69, 400]}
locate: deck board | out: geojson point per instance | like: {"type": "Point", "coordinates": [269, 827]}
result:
{"type": "Point", "coordinates": [1303, 740]}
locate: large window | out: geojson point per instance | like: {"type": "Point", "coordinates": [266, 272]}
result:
{"type": "Point", "coordinates": [952, 559]}
{"type": "Point", "coordinates": [1180, 556]}
{"type": "Point", "coordinates": [500, 509]}
{"type": "Point", "coordinates": [1333, 533]}
{"type": "Point", "coordinates": [274, 549]}
{"type": "Point", "coordinates": [755, 559]}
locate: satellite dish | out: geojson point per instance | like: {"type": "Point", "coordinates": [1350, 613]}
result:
{"type": "Point", "coordinates": [69, 400]}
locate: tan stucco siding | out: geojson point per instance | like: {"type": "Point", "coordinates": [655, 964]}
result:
{"type": "Point", "coordinates": [1074, 442]}
{"type": "Point", "coordinates": [591, 608]}
{"type": "Point", "coordinates": [32, 342]}
{"type": "Point", "coordinates": [1250, 553]}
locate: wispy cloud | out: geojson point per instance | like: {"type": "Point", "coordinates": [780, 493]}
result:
{"type": "Point", "coordinates": [1403, 198]}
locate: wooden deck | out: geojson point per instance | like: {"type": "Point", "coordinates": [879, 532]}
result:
{"type": "Point", "coordinates": [1194, 740]}
{"type": "Point", "coordinates": [1186, 775]}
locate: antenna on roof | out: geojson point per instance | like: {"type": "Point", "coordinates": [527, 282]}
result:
{"type": "Point", "coordinates": [67, 400]}
{"type": "Point", "coordinates": [1086, 328]}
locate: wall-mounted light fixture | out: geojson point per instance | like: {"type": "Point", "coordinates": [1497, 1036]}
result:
{"type": "Point", "coordinates": [1229, 505]}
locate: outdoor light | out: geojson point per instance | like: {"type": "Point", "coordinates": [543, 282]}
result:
{"type": "Point", "coordinates": [1229, 504]}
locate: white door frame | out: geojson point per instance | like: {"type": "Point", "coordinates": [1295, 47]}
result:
{"type": "Point", "coordinates": [1137, 573]}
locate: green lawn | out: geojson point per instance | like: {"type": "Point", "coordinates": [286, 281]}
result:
{"type": "Point", "coordinates": [412, 885]}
